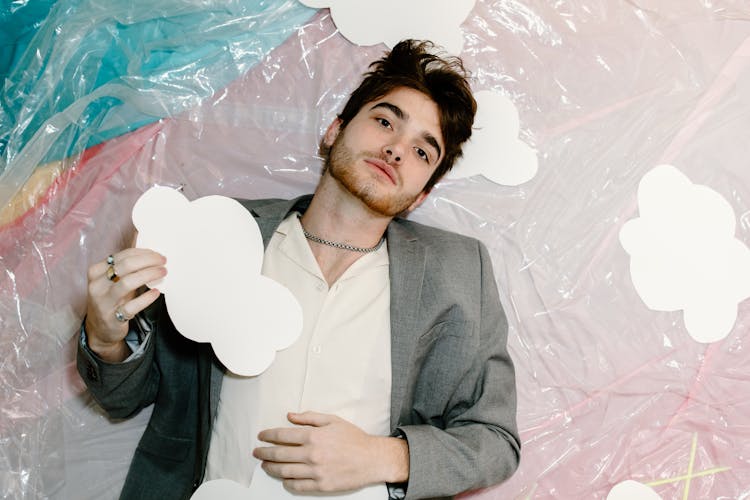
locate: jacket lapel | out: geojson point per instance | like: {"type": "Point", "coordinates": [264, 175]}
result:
{"type": "Point", "coordinates": [407, 265]}
{"type": "Point", "coordinates": [269, 215]}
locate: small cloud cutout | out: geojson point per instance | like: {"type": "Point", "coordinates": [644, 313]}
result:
{"type": "Point", "coordinates": [214, 290]}
{"type": "Point", "coordinates": [372, 22]}
{"type": "Point", "coordinates": [684, 254]}
{"type": "Point", "coordinates": [494, 150]}
{"type": "Point", "coordinates": [264, 486]}
{"type": "Point", "coordinates": [224, 489]}
{"type": "Point", "coordinates": [632, 490]}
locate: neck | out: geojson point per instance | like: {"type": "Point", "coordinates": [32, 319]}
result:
{"type": "Point", "coordinates": [335, 214]}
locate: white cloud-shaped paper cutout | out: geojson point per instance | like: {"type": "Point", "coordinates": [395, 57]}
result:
{"type": "Point", "coordinates": [214, 290]}
{"type": "Point", "coordinates": [494, 150]}
{"type": "Point", "coordinates": [632, 490]}
{"type": "Point", "coordinates": [684, 254]}
{"type": "Point", "coordinates": [264, 487]}
{"type": "Point", "coordinates": [370, 22]}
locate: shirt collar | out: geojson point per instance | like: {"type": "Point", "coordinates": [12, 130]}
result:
{"type": "Point", "coordinates": [296, 247]}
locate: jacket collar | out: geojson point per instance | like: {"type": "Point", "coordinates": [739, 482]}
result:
{"type": "Point", "coordinates": [270, 215]}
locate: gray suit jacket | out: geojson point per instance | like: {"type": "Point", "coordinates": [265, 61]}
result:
{"type": "Point", "coordinates": [453, 386]}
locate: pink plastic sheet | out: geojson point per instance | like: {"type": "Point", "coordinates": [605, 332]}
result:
{"type": "Point", "coordinates": [608, 389]}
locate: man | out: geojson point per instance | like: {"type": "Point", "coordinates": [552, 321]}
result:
{"type": "Point", "coordinates": [401, 374]}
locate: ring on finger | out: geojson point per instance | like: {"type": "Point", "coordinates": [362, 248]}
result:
{"type": "Point", "coordinates": [111, 260]}
{"type": "Point", "coordinates": [120, 316]}
{"type": "Point", "coordinates": [111, 274]}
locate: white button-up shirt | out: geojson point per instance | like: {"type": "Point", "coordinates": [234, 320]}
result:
{"type": "Point", "coordinates": [341, 364]}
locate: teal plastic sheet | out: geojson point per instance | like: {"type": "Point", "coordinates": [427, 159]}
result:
{"type": "Point", "coordinates": [96, 69]}
{"type": "Point", "coordinates": [19, 20]}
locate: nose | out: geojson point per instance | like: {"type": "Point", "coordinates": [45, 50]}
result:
{"type": "Point", "coordinates": [393, 153]}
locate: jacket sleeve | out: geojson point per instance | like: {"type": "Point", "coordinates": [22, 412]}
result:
{"type": "Point", "coordinates": [478, 445]}
{"type": "Point", "coordinates": [123, 389]}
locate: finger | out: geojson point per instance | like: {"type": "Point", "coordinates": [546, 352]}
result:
{"type": "Point", "coordinates": [302, 485]}
{"type": "Point", "coordinates": [285, 435]}
{"type": "Point", "coordinates": [124, 289]}
{"type": "Point", "coordinates": [100, 285]}
{"type": "Point", "coordinates": [136, 258]}
{"type": "Point", "coordinates": [126, 262]}
{"type": "Point", "coordinates": [100, 268]}
{"type": "Point", "coordinates": [99, 296]}
{"type": "Point", "coordinates": [135, 261]}
{"type": "Point", "coordinates": [138, 304]}
{"type": "Point", "coordinates": [312, 418]}
{"type": "Point", "coordinates": [135, 251]}
{"type": "Point", "coordinates": [132, 282]}
{"type": "Point", "coordinates": [288, 471]}
{"type": "Point", "coordinates": [283, 453]}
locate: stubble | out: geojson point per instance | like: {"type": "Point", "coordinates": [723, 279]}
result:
{"type": "Point", "coordinates": [341, 163]}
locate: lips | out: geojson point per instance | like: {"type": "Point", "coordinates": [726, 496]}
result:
{"type": "Point", "coordinates": [384, 167]}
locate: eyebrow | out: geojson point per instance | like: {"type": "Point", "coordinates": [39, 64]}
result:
{"type": "Point", "coordinates": [399, 113]}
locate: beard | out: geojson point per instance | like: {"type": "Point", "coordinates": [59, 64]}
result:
{"type": "Point", "coordinates": [364, 185]}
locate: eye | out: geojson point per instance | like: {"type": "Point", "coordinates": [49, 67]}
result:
{"type": "Point", "coordinates": [423, 154]}
{"type": "Point", "coordinates": [384, 122]}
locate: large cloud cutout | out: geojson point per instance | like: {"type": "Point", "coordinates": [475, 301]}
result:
{"type": "Point", "coordinates": [684, 254]}
{"type": "Point", "coordinates": [264, 487]}
{"type": "Point", "coordinates": [494, 150]}
{"type": "Point", "coordinates": [368, 22]}
{"type": "Point", "coordinates": [214, 290]}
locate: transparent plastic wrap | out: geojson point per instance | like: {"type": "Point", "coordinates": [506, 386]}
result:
{"type": "Point", "coordinates": [609, 390]}
{"type": "Point", "coordinates": [96, 69]}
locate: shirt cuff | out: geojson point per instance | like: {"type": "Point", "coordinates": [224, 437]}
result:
{"type": "Point", "coordinates": [397, 491]}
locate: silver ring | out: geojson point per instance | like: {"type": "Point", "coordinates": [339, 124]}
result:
{"type": "Point", "coordinates": [119, 316]}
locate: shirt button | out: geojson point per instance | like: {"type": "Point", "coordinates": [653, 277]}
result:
{"type": "Point", "coordinates": [320, 287]}
{"type": "Point", "coordinates": [317, 349]}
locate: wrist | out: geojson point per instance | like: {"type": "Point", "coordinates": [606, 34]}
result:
{"type": "Point", "coordinates": [111, 352]}
{"type": "Point", "coordinates": [394, 456]}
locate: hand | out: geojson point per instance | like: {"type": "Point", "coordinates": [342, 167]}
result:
{"type": "Point", "coordinates": [134, 267]}
{"type": "Point", "coordinates": [325, 453]}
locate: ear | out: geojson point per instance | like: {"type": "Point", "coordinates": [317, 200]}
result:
{"type": "Point", "coordinates": [332, 132]}
{"type": "Point", "coordinates": [420, 198]}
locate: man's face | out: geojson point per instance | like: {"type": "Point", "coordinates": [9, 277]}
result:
{"type": "Point", "coordinates": [386, 154]}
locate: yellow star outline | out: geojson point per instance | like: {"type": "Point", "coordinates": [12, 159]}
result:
{"type": "Point", "coordinates": [690, 474]}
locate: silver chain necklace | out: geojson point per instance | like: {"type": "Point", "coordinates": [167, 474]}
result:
{"type": "Point", "coordinates": [342, 246]}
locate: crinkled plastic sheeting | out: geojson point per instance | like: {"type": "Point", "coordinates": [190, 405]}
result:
{"type": "Point", "coordinates": [608, 389]}
{"type": "Point", "coordinates": [96, 69]}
